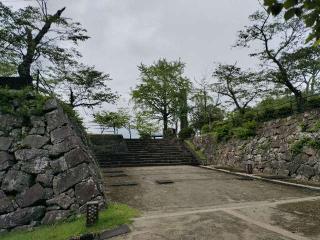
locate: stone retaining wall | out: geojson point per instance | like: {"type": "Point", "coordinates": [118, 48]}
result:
{"type": "Point", "coordinates": [270, 149]}
{"type": "Point", "coordinates": [47, 172]}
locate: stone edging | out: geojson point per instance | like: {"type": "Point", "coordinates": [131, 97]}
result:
{"type": "Point", "coordinates": [263, 179]}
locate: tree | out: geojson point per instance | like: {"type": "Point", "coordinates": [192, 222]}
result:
{"type": "Point", "coordinates": [308, 10]}
{"type": "Point", "coordinates": [276, 38]}
{"type": "Point", "coordinates": [163, 90]}
{"type": "Point", "coordinates": [240, 87]}
{"type": "Point", "coordinates": [206, 108]}
{"type": "Point", "coordinates": [84, 86]}
{"type": "Point", "coordinates": [145, 125]}
{"type": "Point", "coordinates": [114, 120]}
{"type": "Point", "coordinates": [32, 36]}
{"type": "Point", "coordinates": [304, 67]}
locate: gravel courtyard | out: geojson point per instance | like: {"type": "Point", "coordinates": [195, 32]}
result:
{"type": "Point", "coordinates": [196, 203]}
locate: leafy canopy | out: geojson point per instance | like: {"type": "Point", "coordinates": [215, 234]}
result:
{"type": "Point", "coordinates": [308, 10]}
{"type": "Point", "coordinates": [162, 90]}
{"type": "Point", "coordinates": [113, 120]}
{"type": "Point", "coordinates": [84, 86]}
{"type": "Point", "coordinates": [31, 38]}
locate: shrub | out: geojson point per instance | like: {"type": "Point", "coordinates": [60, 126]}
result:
{"type": "Point", "coordinates": [21, 103]}
{"type": "Point", "coordinates": [313, 102]}
{"type": "Point", "coordinates": [186, 133]}
{"type": "Point", "coordinates": [205, 129]}
{"type": "Point", "coordinates": [222, 132]}
{"type": "Point", "coordinates": [247, 130]}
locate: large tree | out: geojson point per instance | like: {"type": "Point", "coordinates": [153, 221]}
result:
{"type": "Point", "coordinates": [163, 90]}
{"type": "Point", "coordinates": [308, 10]}
{"type": "Point", "coordinates": [239, 87]}
{"type": "Point", "coordinates": [31, 36]}
{"type": "Point", "coordinates": [304, 68]}
{"type": "Point", "coordinates": [83, 86]}
{"type": "Point", "coordinates": [274, 37]}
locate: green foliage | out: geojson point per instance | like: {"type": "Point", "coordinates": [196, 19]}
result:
{"type": "Point", "coordinates": [145, 126]}
{"type": "Point", "coordinates": [21, 103]}
{"type": "Point", "coordinates": [198, 152]}
{"type": "Point", "coordinates": [315, 127]}
{"type": "Point", "coordinates": [222, 131]}
{"type": "Point", "coordinates": [238, 86]}
{"type": "Point", "coordinates": [297, 147]}
{"type": "Point", "coordinates": [83, 86]}
{"type": "Point", "coordinates": [163, 90]}
{"type": "Point", "coordinates": [7, 69]}
{"type": "Point", "coordinates": [205, 129]}
{"type": "Point", "coordinates": [247, 130]}
{"type": "Point", "coordinates": [313, 102]}
{"type": "Point", "coordinates": [303, 127]}
{"type": "Point", "coordinates": [115, 215]}
{"type": "Point", "coordinates": [308, 10]}
{"type": "Point", "coordinates": [113, 120]}
{"type": "Point", "coordinates": [31, 35]}
{"type": "Point", "coordinates": [186, 133]}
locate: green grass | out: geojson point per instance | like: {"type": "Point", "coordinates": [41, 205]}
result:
{"type": "Point", "coordinates": [199, 153]}
{"type": "Point", "coordinates": [115, 215]}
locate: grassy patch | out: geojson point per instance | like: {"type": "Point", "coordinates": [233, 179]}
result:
{"type": "Point", "coordinates": [199, 153]}
{"type": "Point", "coordinates": [115, 215]}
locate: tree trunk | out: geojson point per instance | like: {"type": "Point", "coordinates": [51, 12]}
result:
{"type": "Point", "coordinates": [24, 68]}
{"type": "Point", "coordinates": [165, 124]}
{"type": "Point", "coordinates": [300, 102]}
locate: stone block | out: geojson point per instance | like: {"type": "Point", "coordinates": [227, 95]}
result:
{"type": "Point", "coordinates": [5, 143]}
{"type": "Point", "coordinates": [37, 131]}
{"type": "Point", "coordinates": [6, 161]}
{"type": "Point", "coordinates": [21, 217]}
{"type": "Point", "coordinates": [54, 216]}
{"type": "Point", "coordinates": [63, 200]}
{"type": "Point", "coordinates": [28, 154]}
{"type": "Point", "coordinates": [68, 144]}
{"type": "Point", "coordinates": [68, 179]}
{"type": "Point", "coordinates": [6, 205]}
{"type": "Point", "coordinates": [31, 196]}
{"type": "Point", "coordinates": [50, 105]}
{"type": "Point", "coordinates": [59, 166]}
{"type": "Point", "coordinates": [58, 135]}
{"type": "Point", "coordinates": [86, 191]}
{"type": "Point", "coordinates": [56, 119]}
{"type": "Point", "coordinates": [36, 166]}
{"type": "Point", "coordinates": [306, 171]}
{"type": "Point", "coordinates": [16, 181]}
{"type": "Point", "coordinates": [76, 157]}
{"type": "Point", "coordinates": [34, 141]}
{"type": "Point", "coordinates": [45, 179]}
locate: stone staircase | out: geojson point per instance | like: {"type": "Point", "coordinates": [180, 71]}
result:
{"type": "Point", "coordinates": [138, 152]}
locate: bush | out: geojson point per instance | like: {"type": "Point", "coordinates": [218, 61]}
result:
{"type": "Point", "coordinates": [205, 129]}
{"type": "Point", "coordinates": [21, 103]}
{"type": "Point", "coordinates": [186, 133]}
{"type": "Point", "coordinates": [222, 132]}
{"type": "Point", "coordinates": [247, 130]}
{"type": "Point", "coordinates": [313, 102]}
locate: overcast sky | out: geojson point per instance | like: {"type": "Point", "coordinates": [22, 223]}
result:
{"type": "Point", "coordinates": [125, 33]}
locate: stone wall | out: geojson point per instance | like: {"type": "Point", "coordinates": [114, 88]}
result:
{"type": "Point", "coordinates": [47, 171]}
{"type": "Point", "coordinates": [271, 149]}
